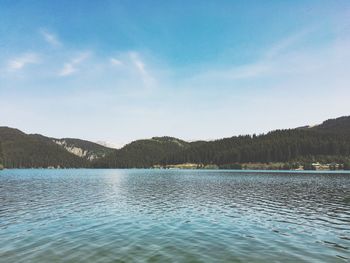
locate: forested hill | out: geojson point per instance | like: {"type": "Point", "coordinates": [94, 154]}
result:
{"type": "Point", "coordinates": [326, 143]}
{"type": "Point", "coordinates": [143, 153]}
{"type": "Point", "coordinates": [339, 125]}
{"type": "Point", "coordinates": [20, 150]}
{"type": "Point", "coordinates": [85, 149]}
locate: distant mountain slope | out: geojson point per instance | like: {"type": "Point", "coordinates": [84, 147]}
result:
{"type": "Point", "coordinates": [143, 153]}
{"type": "Point", "coordinates": [327, 142]}
{"type": "Point", "coordinates": [18, 149]}
{"type": "Point", "coordinates": [338, 125]}
{"type": "Point", "coordinates": [27, 151]}
{"type": "Point", "coordinates": [84, 149]}
{"type": "Point", "coordinates": [276, 146]}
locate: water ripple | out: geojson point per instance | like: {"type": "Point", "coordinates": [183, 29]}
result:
{"type": "Point", "coordinates": [173, 216]}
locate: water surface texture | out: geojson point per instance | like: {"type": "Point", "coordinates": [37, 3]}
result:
{"type": "Point", "coordinates": [173, 216]}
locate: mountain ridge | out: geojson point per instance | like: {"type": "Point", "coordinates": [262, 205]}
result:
{"type": "Point", "coordinates": [21, 150]}
{"type": "Point", "coordinates": [326, 142]}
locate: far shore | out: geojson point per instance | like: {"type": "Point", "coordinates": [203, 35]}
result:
{"type": "Point", "coordinates": [243, 168]}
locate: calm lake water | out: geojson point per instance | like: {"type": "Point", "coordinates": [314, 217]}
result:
{"type": "Point", "coordinates": [173, 216]}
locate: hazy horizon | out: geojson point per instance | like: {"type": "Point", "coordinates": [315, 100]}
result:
{"type": "Point", "coordinates": [120, 71]}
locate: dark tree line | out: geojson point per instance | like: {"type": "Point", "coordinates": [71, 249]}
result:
{"type": "Point", "coordinates": [277, 146]}
{"type": "Point", "coordinates": [327, 143]}
{"type": "Point", "coordinates": [19, 150]}
{"type": "Point", "coordinates": [142, 153]}
{"type": "Point", "coordinates": [285, 146]}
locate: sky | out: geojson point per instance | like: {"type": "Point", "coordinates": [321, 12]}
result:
{"type": "Point", "coordinates": [117, 71]}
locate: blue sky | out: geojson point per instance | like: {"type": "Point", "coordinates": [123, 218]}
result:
{"type": "Point", "coordinates": [117, 71]}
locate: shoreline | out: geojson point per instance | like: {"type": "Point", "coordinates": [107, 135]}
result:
{"type": "Point", "coordinates": [194, 170]}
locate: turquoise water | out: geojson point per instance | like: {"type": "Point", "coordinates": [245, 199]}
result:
{"type": "Point", "coordinates": [173, 216]}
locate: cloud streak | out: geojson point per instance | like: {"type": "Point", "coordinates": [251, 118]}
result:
{"type": "Point", "coordinates": [50, 38]}
{"type": "Point", "coordinates": [132, 90]}
{"type": "Point", "coordinates": [20, 62]}
{"type": "Point", "coordinates": [72, 66]}
{"type": "Point", "coordinates": [282, 60]}
{"type": "Point", "coordinates": [140, 66]}
{"type": "Point", "coordinates": [115, 62]}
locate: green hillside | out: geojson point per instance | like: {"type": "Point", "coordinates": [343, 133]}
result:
{"type": "Point", "coordinates": [328, 142]}
{"type": "Point", "coordinates": [20, 150]}
{"type": "Point", "coordinates": [338, 125]}
{"type": "Point", "coordinates": [85, 149]}
{"type": "Point", "coordinates": [143, 153]}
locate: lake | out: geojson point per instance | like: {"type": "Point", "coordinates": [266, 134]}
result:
{"type": "Point", "coordinates": [135, 215]}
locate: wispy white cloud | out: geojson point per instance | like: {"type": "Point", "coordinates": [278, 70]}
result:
{"type": "Point", "coordinates": [67, 69]}
{"type": "Point", "coordinates": [288, 79]}
{"type": "Point", "coordinates": [283, 59]}
{"type": "Point", "coordinates": [140, 66]}
{"type": "Point", "coordinates": [50, 38]}
{"type": "Point", "coordinates": [71, 67]}
{"type": "Point", "coordinates": [288, 42]}
{"type": "Point", "coordinates": [115, 62]}
{"type": "Point", "coordinates": [23, 60]}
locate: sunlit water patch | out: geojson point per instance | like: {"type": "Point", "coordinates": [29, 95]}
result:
{"type": "Point", "coordinates": [173, 216]}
